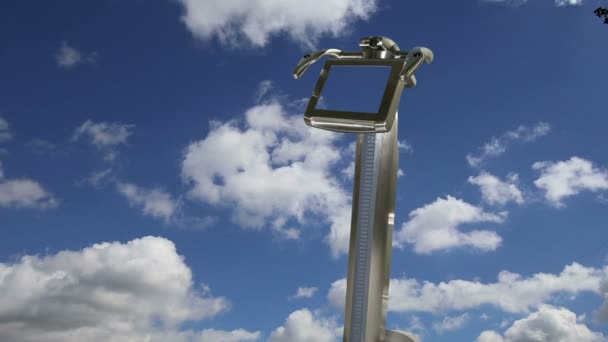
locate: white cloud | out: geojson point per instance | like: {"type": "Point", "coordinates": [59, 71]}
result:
{"type": "Point", "coordinates": [153, 202]}
{"type": "Point", "coordinates": [549, 323]}
{"type": "Point", "coordinates": [272, 170]}
{"type": "Point", "coordinates": [43, 147]}
{"type": "Point", "coordinates": [5, 132]}
{"type": "Point", "coordinates": [561, 3]}
{"type": "Point", "coordinates": [97, 177]}
{"type": "Point", "coordinates": [567, 178]}
{"type": "Point", "coordinates": [451, 323]}
{"type": "Point", "coordinates": [240, 335]}
{"type": "Point", "coordinates": [511, 292]}
{"type": "Point", "coordinates": [24, 193]}
{"type": "Point", "coordinates": [435, 227]}
{"type": "Point", "coordinates": [106, 136]}
{"type": "Point", "coordinates": [517, 3]}
{"type": "Point", "coordinates": [68, 57]}
{"type": "Point", "coordinates": [498, 146]}
{"type": "Point", "coordinates": [303, 326]}
{"type": "Point", "coordinates": [496, 191]}
{"type": "Point", "coordinates": [415, 328]}
{"type": "Point", "coordinates": [137, 291]}
{"type": "Point", "coordinates": [489, 336]}
{"type": "Point", "coordinates": [305, 292]}
{"type": "Point", "coordinates": [511, 3]}
{"type": "Point", "coordinates": [349, 171]}
{"type": "Point", "coordinates": [264, 88]}
{"type": "Point", "coordinates": [602, 313]}
{"type": "Point", "coordinates": [237, 21]}
{"type": "Point", "coordinates": [21, 192]}
{"type": "Point", "coordinates": [405, 146]}
{"type": "Point", "coordinates": [336, 295]}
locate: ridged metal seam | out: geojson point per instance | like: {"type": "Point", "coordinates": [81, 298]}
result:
{"type": "Point", "coordinates": [365, 225]}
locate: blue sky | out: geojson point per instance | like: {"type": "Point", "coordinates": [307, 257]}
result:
{"type": "Point", "coordinates": [158, 183]}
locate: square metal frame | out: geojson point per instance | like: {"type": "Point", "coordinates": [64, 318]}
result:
{"type": "Point", "coordinates": [358, 122]}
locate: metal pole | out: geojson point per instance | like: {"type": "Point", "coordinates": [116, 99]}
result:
{"type": "Point", "coordinates": [374, 195]}
{"type": "Point", "coordinates": [375, 183]}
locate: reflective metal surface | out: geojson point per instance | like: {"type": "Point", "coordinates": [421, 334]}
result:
{"type": "Point", "coordinates": [344, 121]}
{"type": "Point", "coordinates": [375, 181]}
{"type": "Point", "coordinates": [376, 166]}
{"type": "Point", "coordinates": [375, 51]}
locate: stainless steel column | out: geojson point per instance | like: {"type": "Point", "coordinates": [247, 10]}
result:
{"type": "Point", "coordinates": [374, 194]}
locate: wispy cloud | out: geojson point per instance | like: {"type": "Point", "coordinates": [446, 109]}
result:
{"type": "Point", "coordinates": [21, 192]}
{"type": "Point", "coordinates": [517, 3]}
{"type": "Point", "coordinates": [42, 147]}
{"type": "Point", "coordinates": [451, 323]}
{"type": "Point", "coordinates": [96, 178]}
{"type": "Point", "coordinates": [497, 146]}
{"type": "Point", "coordinates": [153, 202]}
{"type": "Point", "coordinates": [405, 146]}
{"type": "Point", "coordinates": [5, 132]}
{"type": "Point", "coordinates": [105, 136]}
{"type": "Point", "coordinates": [68, 57]}
{"type": "Point", "coordinates": [561, 3]}
{"type": "Point", "coordinates": [304, 292]}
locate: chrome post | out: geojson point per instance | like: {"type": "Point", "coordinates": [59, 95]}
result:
{"type": "Point", "coordinates": [375, 182]}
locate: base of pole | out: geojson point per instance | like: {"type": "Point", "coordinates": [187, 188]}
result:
{"type": "Point", "coordinates": [399, 336]}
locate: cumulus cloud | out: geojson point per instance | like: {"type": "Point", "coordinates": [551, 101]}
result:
{"type": "Point", "coordinates": [106, 136]}
{"type": "Point", "coordinates": [68, 57]}
{"type": "Point", "coordinates": [303, 326]}
{"type": "Point", "coordinates": [498, 146]}
{"type": "Point", "coordinates": [305, 292]}
{"type": "Point", "coordinates": [5, 132]}
{"type": "Point", "coordinates": [602, 313]}
{"type": "Point", "coordinates": [153, 202]}
{"type": "Point", "coordinates": [270, 172]}
{"type": "Point", "coordinates": [568, 178]}
{"type": "Point", "coordinates": [489, 336]}
{"type": "Point", "coordinates": [549, 323]}
{"type": "Point", "coordinates": [237, 21]}
{"type": "Point", "coordinates": [511, 292]}
{"type": "Point", "coordinates": [496, 191]}
{"type": "Point", "coordinates": [435, 227]}
{"type": "Point", "coordinates": [136, 291]}
{"type": "Point", "coordinates": [451, 323]}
